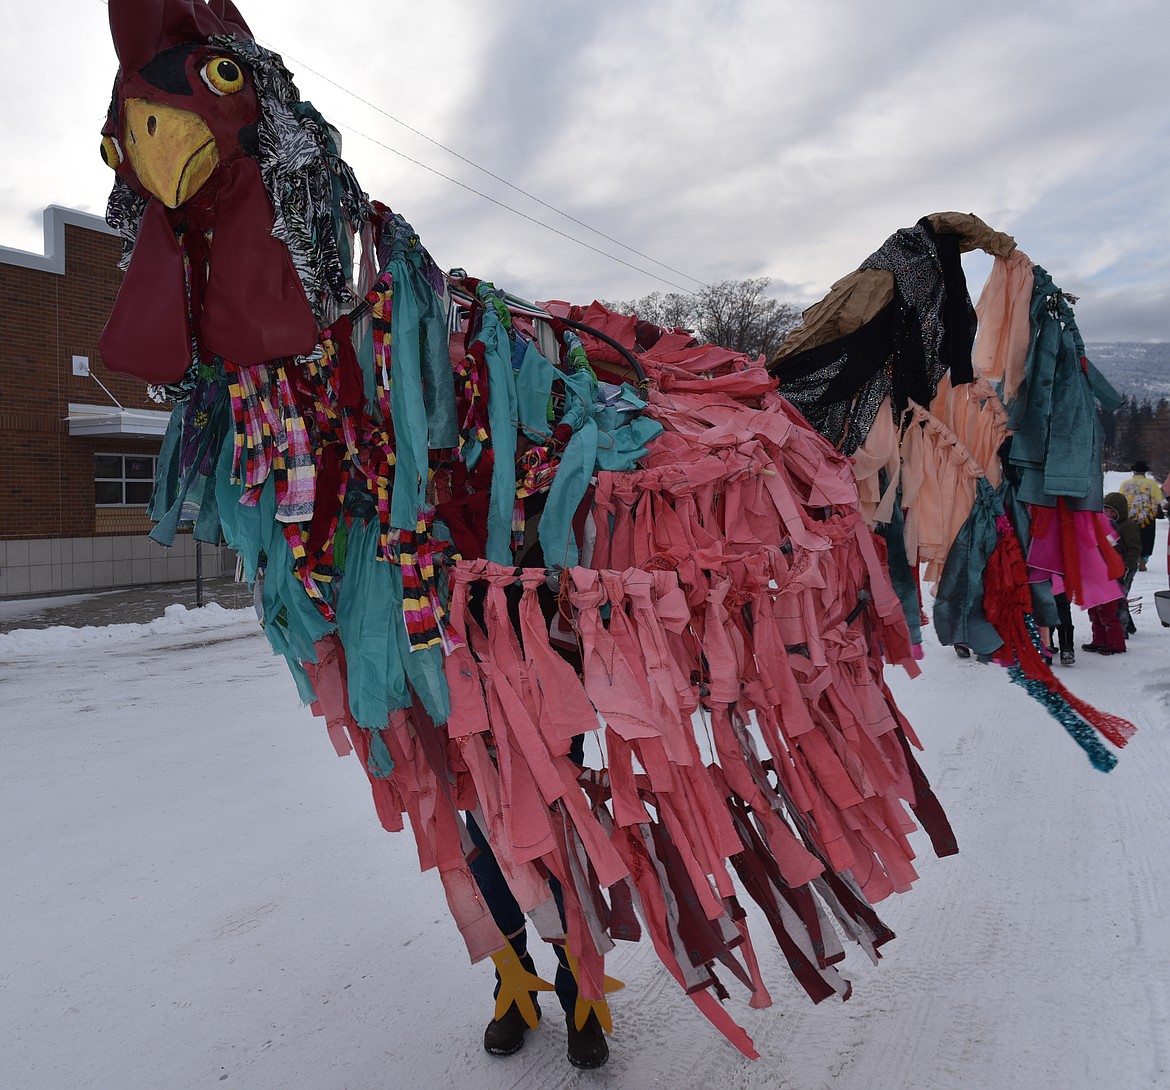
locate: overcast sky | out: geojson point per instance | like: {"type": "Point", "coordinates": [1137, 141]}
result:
{"type": "Point", "coordinates": [725, 139]}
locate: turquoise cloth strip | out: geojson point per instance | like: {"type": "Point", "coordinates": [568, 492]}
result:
{"type": "Point", "coordinates": [604, 437]}
{"type": "Point", "coordinates": [958, 609]}
{"type": "Point", "coordinates": [502, 414]}
{"type": "Point", "coordinates": [379, 661]}
{"type": "Point", "coordinates": [190, 499]}
{"type": "Point", "coordinates": [292, 623]}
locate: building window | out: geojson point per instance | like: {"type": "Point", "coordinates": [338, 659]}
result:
{"type": "Point", "coordinates": [123, 480]}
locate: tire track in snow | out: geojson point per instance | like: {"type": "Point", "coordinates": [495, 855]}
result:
{"type": "Point", "coordinates": [1145, 805]}
{"type": "Point", "coordinates": [918, 1013]}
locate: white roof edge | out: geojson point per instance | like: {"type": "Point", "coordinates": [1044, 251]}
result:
{"type": "Point", "coordinates": [78, 409]}
{"type": "Point", "coordinates": [57, 217]}
{"type": "Point", "coordinates": [108, 421]}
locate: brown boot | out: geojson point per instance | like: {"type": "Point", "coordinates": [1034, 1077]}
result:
{"type": "Point", "coordinates": [587, 1046]}
{"type": "Point", "coordinates": [505, 1035]}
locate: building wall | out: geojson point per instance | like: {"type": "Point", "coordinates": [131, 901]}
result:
{"type": "Point", "coordinates": [41, 566]}
{"type": "Point", "coordinates": [53, 537]}
{"type": "Point", "coordinates": [46, 318]}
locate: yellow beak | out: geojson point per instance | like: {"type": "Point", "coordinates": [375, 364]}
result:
{"type": "Point", "coordinates": [172, 151]}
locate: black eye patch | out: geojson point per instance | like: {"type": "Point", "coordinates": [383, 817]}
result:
{"type": "Point", "coordinates": [168, 71]}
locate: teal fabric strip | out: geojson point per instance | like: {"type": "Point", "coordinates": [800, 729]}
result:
{"type": "Point", "coordinates": [241, 528]}
{"type": "Point", "coordinates": [364, 349]}
{"type": "Point", "coordinates": [901, 575]}
{"type": "Point", "coordinates": [438, 382]}
{"type": "Point", "coordinates": [534, 381]}
{"type": "Point", "coordinates": [555, 531]}
{"type": "Point", "coordinates": [502, 413]}
{"type": "Point", "coordinates": [406, 403]}
{"type": "Point", "coordinates": [1074, 430]}
{"type": "Point", "coordinates": [409, 266]}
{"type": "Point", "coordinates": [292, 623]}
{"type": "Point", "coordinates": [163, 508]}
{"type": "Point", "coordinates": [624, 436]}
{"type": "Point", "coordinates": [422, 392]}
{"type": "Point", "coordinates": [1104, 392]}
{"type": "Point", "coordinates": [958, 609]}
{"type": "Point", "coordinates": [381, 764]}
{"type": "Point", "coordinates": [368, 613]}
{"type": "Point", "coordinates": [179, 500]}
{"type": "Point", "coordinates": [604, 437]}
{"type": "Point", "coordinates": [381, 668]}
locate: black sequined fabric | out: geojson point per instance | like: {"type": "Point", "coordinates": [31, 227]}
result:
{"type": "Point", "coordinates": [901, 353]}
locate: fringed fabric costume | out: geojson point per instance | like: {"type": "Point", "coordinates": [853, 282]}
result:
{"type": "Point", "coordinates": [950, 436]}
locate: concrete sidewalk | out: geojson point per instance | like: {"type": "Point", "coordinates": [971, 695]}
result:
{"type": "Point", "coordinates": [123, 605]}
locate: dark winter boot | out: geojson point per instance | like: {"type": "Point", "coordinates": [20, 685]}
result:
{"type": "Point", "coordinates": [504, 1036]}
{"type": "Point", "coordinates": [587, 1047]}
{"type": "Point", "coordinates": [1068, 653]}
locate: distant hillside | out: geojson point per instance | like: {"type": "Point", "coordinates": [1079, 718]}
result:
{"type": "Point", "coordinates": [1135, 369]}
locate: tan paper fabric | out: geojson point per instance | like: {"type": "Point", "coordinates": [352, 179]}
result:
{"type": "Point", "coordinates": [855, 299]}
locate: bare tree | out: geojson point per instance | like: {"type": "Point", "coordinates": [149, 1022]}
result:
{"type": "Point", "coordinates": [672, 310]}
{"type": "Point", "coordinates": [735, 314]}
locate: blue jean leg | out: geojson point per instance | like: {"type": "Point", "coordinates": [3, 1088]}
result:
{"type": "Point", "coordinates": [510, 918]}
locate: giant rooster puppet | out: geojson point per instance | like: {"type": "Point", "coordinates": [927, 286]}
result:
{"type": "Point", "coordinates": [481, 531]}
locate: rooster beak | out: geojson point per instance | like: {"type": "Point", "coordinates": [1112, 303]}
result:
{"type": "Point", "coordinates": [172, 151]}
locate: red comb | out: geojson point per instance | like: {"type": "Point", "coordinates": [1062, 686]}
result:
{"type": "Point", "coordinates": [141, 29]}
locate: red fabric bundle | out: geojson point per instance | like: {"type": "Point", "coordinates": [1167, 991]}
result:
{"type": "Point", "coordinates": [1006, 602]}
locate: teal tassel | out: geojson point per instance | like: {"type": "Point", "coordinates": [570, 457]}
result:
{"type": "Point", "coordinates": [1080, 731]}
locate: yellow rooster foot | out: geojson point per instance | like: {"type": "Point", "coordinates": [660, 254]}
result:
{"type": "Point", "coordinates": [517, 1010]}
{"type": "Point", "coordinates": [589, 1023]}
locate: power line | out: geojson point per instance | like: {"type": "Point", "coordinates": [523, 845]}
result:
{"type": "Point", "coordinates": [502, 181]}
{"type": "Point", "coordinates": [517, 212]}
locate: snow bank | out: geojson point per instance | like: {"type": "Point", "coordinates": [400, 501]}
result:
{"type": "Point", "coordinates": [175, 619]}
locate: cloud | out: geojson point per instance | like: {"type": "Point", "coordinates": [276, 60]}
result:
{"type": "Point", "coordinates": [724, 139]}
{"type": "Point", "coordinates": [1125, 314]}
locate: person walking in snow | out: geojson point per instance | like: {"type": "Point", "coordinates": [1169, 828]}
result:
{"type": "Point", "coordinates": [1063, 634]}
{"type": "Point", "coordinates": [1111, 620]}
{"type": "Point", "coordinates": [1145, 500]}
{"type": "Point", "coordinates": [1129, 545]}
{"type": "Point", "coordinates": [587, 1047]}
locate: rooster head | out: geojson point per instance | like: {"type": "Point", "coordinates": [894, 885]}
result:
{"type": "Point", "coordinates": [235, 209]}
{"type": "Point", "coordinates": [181, 106]}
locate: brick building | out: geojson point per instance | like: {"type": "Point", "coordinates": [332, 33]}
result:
{"type": "Point", "coordinates": [78, 443]}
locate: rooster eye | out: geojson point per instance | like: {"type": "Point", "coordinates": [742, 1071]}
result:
{"type": "Point", "coordinates": [111, 152]}
{"type": "Point", "coordinates": [222, 76]}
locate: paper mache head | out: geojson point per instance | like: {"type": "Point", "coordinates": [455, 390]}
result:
{"type": "Point", "coordinates": [236, 212]}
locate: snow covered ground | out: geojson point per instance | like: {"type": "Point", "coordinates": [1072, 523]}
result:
{"type": "Point", "coordinates": [11, 608]}
{"type": "Point", "coordinates": [195, 892]}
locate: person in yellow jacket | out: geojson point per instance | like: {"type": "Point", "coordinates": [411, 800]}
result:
{"type": "Point", "coordinates": [1145, 505]}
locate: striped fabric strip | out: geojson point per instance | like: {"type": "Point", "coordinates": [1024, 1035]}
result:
{"type": "Point", "coordinates": [296, 470]}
